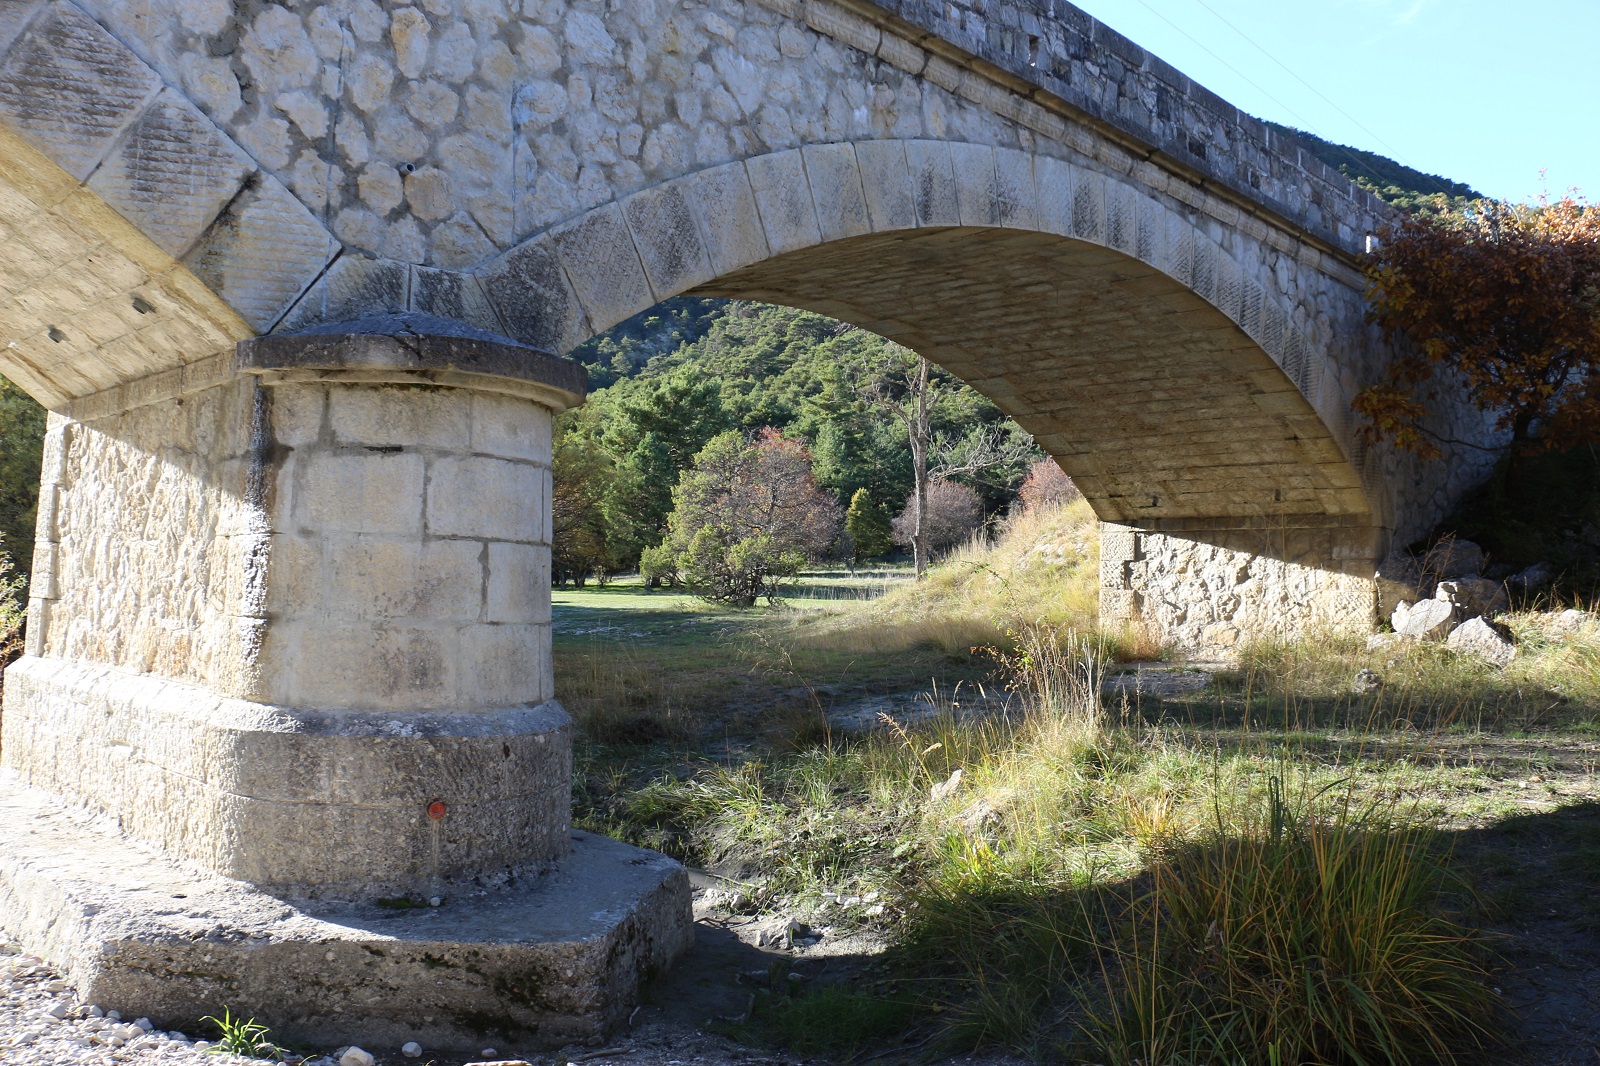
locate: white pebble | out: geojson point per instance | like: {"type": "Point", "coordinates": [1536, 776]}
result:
{"type": "Point", "coordinates": [355, 1057]}
{"type": "Point", "coordinates": [145, 1024]}
{"type": "Point", "coordinates": [411, 1050]}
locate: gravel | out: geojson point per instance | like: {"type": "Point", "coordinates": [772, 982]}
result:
{"type": "Point", "coordinates": [42, 1023]}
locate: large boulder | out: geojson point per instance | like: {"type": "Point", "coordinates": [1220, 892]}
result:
{"type": "Point", "coordinates": [1531, 580]}
{"type": "Point", "coordinates": [1451, 558]}
{"type": "Point", "coordinates": [1427, 620]}
{"type": "Point", "coordinates": [1474, 596]}
{"type": "Point", "coordinates": [1482, 639]}
{"type": "Point", "coordinates": [1400, 580]}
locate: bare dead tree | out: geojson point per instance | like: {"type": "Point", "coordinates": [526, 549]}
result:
{"type": "Point", "coordinates": [988, 453]}
{"type": "Point", "coordinates": [901, 383]}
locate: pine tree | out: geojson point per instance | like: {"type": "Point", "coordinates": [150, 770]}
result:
{"type": "Point", "coordinates": [868, 526]}
{"type": "Point", "coordinates": [22, 423]}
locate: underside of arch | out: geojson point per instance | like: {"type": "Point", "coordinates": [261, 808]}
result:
{"type": "Point", "coordinates": [88, 301]}
{"type": "Point", "coordinates": [1156, 403]}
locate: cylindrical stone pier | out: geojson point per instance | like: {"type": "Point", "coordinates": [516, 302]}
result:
{"type": "Point", "coordinates": [295, 625]}
{"type": "Point", "coordinates": [289, 651]}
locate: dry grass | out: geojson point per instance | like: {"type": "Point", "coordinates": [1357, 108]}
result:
{"type": "Point", "coordinates": [1303, 932]}
{"type": "Point", "coordinates": [1039, 569]}
{"type": "Point", "coordinates": [1052, 877]}
{"type": "Point", "coordinates": [1127, 884]}
{"type": "Point", "coordinates": [1555, 678]}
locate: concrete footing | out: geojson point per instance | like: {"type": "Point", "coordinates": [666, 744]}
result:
{"type": "Point", "coordinates": [546, 961]}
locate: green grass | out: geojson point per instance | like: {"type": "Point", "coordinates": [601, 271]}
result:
{"type": "Point", "coordinates": [247, 1039]}
{"type": "Point", "coordinates": [833, 1020]}
{"type": "Point", "coordinates": [635, 666]}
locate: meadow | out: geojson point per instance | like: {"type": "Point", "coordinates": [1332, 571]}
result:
{"type": "Point", "coordinates": [1062, 858]}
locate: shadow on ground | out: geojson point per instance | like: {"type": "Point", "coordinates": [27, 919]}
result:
{"type": "Point", "coordinates": [1540, 879]}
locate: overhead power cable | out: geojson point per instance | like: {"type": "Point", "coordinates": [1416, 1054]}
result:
{"type": "Point", "coordinates": [1291, 72]}
{"type": "Point", "coordinates": [1299, 119]}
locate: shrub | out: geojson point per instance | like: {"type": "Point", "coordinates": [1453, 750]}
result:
{"type": "Point", "coordinates": [954, 514]}
{"type": "Point", "coordinates": [745, 518]}
{"type": "Point", "coordinates": [13, 612]}
{"type": "Point", "coordinates": [22, 427]}
{"type": "Point", "coordinates": [578, 531]}
{"type": "Point", "coordinates": [1499, 301]}
{"type": "Point", "coordinates": [1046, 485]}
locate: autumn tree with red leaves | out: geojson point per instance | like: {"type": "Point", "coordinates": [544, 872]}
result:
{"type": "Point", "coordinates": [1508, 298]}
{"type": "Point", "coordinates": [1046, 485]}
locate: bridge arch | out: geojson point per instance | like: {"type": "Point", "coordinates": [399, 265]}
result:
{"type": "Point", "coordinates": [287, 277]}
{"type": "Point", "coordinates": [1112, 327]}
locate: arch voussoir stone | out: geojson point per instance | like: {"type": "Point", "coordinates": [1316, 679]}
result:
{"type": "Point", "coordinates": [837, 197]}
{"type": "Point", "coordinates": [724, 204]}
{"type": "Point", "coordinates": [886, 185]}
{"type": "Point", "coordinates": [533, 296]}
{"type": "Point", "coordinates": [784, 201]}
{"type": "Point", "coordinates": [667, 235]}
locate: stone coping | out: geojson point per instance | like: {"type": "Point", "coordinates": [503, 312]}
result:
{"type": "Point", "coordinates": [411, 348]}
{"type": "Point", "coordinates": [1053, 46]}
{"type": "Point", "coordinates": [204, 707]}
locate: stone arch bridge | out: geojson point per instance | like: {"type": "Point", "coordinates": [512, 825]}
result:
{"type": "Point", "coordinates": [294, 279]}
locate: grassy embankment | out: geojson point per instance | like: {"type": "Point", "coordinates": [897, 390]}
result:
{"type": "Point", "coordinates": [1261, 871]}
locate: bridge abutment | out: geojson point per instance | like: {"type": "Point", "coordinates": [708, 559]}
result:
{"type": "Point", "coordinates": [316, 692]}
{"type": "Point", "coordinates": [1208, 586]}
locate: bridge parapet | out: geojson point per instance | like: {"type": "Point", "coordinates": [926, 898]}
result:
{"type": "Point", "coordinates": [1127, 90]}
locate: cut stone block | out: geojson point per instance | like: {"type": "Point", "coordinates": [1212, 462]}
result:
{"type": "Point", "coordinates": [172, 173]}
{"type": "Point", "coordinates": [325, 803]}
{"type": "Point", "coordinates": [262, 252]}
{"type": "Point", "coordinates": [551, 960]}
{"type": "Point", "coordinates": [70, 88]}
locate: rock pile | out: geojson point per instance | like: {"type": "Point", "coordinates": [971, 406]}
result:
{"type": "Point", "coordinates": [1443, 596]}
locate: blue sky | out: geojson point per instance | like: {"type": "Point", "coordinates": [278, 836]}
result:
{"type": "Point", "coordinates": [1488, 92]}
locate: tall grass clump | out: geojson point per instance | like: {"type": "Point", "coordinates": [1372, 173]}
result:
{"type": "Point", "coordinates": [1294, 936]}
{"type": "Point", "coordinates": [1103, 891]}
